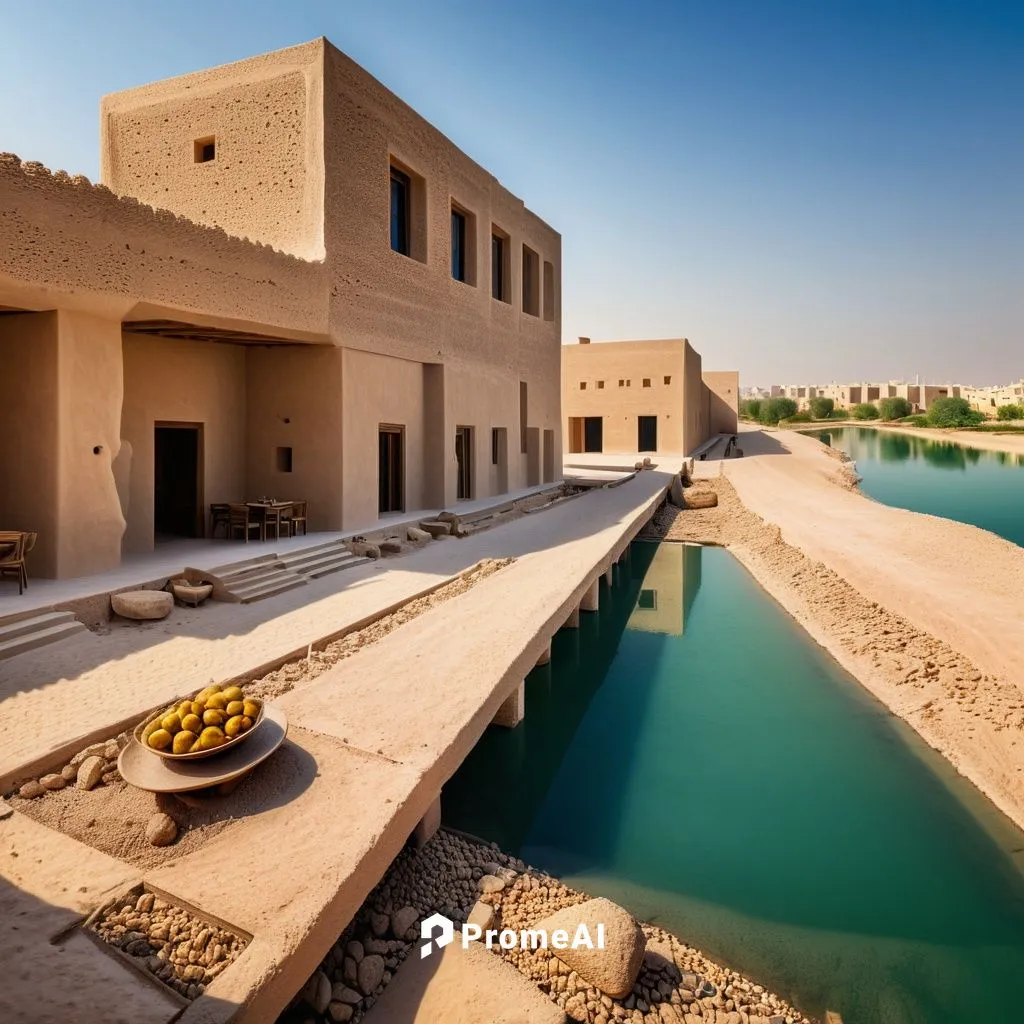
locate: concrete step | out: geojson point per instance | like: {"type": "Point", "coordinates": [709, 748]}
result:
{"type": "Point", "coordinates": [328, 565]}
{"type": "Point", "coordinates": [299, 560]}
{"type": "Point", "coordinates": [39, 638]}
{"type": "Point", "coordinates": [247, 577]}
{"type": "Point", "coordinates": [268, 588]}
{"type": "Point", "coordinates": [18, 625]}
{"type": "Point", "coordinates": [239, 566]}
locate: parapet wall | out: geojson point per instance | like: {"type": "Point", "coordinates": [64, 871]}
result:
{"type": "Point", "coordinates": [63, 235]}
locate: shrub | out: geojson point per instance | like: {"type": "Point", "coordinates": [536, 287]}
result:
{"type": "Point", "coordinates": [1010, 412]}
{"type": "Point", "coordinates": [799, 417]}
{"type": "Point", "coordinates": [894, 408]}
{"type": "Point", "coordinates": [775, 409]}
{"type": "Point", "coordinates": [952, 412]}
{"type": "Point", "coordinates": [917, 420]}
{"type": "Point", "coordinates": [750, 409]}
{"type": "Point", "coordinates": [865, 411]}
{"type": "Point", "coordinates": [822, 408]}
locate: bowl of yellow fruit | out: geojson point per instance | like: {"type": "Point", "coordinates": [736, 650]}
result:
{"type": "Point", "coordinates": [214, 720]}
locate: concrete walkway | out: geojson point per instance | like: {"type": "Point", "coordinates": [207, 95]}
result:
{"type": "Point", "coordinates": [370, 745]}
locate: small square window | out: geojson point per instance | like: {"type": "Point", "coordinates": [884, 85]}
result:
{"type": "Point", "coordinates": [284, 460]}
{"type": "Point", "coordinates": [629, 382]}
{"type": "Point", "coordinates": [600, 385]}
{"type": "Point", "coordinates": [647, 382]}
{"type": "Point", "coordinates": [668, 380]}
{"type": "Point", "coordinates": [583, 385]}
{"type": "Point", "coordinates": [204, 150]}
{"type": "Point", "coordinates": [648, 600]}
{"type": "Point", "coordinates": [622, 383]}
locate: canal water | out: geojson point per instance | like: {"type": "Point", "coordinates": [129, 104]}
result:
{"type": "Point", "coordinates": [941, 478]}
{"type": "Point", "coordinates": [690, 753]}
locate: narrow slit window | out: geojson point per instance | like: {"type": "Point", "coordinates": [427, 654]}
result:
{"type": "Point", "coordinates": [400, 188]}
{"type": "Point", "coordinates": [284, 460]}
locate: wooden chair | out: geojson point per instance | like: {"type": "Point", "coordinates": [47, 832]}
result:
{"type": "Point", "coordinates": [241, 518]}
{"type": "Point", "coordinates": [220, 515]}
{"type": "Point", "coordinates": [12, 561]}
{"type": "Point", "coordinates": [296, 516]}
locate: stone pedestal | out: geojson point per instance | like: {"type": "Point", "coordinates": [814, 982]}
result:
{"type": "Point", "coordinates": [545, 655]}
{"type": "Point", "coordinates": [592, 597]}
{"type": "Point", "coordinates": [573, 622]}
{"type": "Point", "coordinates": [513, 710]}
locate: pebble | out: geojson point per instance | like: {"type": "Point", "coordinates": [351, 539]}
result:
{"type": "Point", "coordinates": [69, 772]}
{"type": "Point", "coordinates": [344, 994]}
{"type": "Point", "coordinates": [339, 1011]}
{"type": "Point", "coordinates": [403, 920]}
{"type": "Point", "coordinates": [161, 829]}
{"type": "Point", "coordinates": [490, 883]}
{"type": "Point", "coordinates": [31, 790]}
{"type": "Point", "coordinates": [355, 950]}
{"type": "Point", "coordinates": [370, 973]}
{"type": "Point", "coordinates": [6, 810]}
{"type": "Point", "coordinates": [53, 782]}
{"type": "Point", "coordinates": [90, 771]}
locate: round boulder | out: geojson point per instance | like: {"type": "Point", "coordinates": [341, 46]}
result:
{"type": "Point", "coordinates": [614, 968]}
{"type": "Point", "coordinates": [162, 830]}
{"type": "Point", "coordinates": [142, 604]}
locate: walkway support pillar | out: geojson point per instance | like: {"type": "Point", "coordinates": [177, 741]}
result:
{"type": "Point", "coordinates": [545, 655]}
{"type": "Point", "coordinates": [609, 576]}
{"type": "Point", "coordinates": [573, 622]}
{"type": "Point", "coordinates": [592, 597]}
{"type": "Point", "coordinates": [513, 710]}
{"type": "Point", "coordinates": [428, 824]}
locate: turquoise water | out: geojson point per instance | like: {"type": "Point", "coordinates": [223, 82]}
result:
{"type": "Point", "coordinates": [982, 488]}
{"type": "Point", "coordinates": [691, 753]}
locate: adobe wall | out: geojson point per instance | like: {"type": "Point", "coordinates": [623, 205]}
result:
{"type": "Point", "coordinates": [29, 428]}
{"type": "Point", "coordinates": [379, 390]}
{"type": "Point", "coordinates": [293, 399]}
{"type": "Point", "coordinates": [174, 381]}
{"type": "Point", "coordinates": [696, 402]}
{"type": "Point", "coordinates": [265, 116]}
{"type": "Point", "coordinates": [70, 243]}
{"type": "Point", "coordinates": [435, 318]}
{"type": "Point", "coordinates": [724, 386]}
{"type": "Point", "coordinates": [631, 362]}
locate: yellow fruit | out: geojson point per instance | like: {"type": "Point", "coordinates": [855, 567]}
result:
{"type": "Point", "coordinates": [192, 723]}
{"type": "Point", "coordinates": [251, 708]}
{"type": "Point", "coordinates": [211, 737]}
{"type": "Point", "coordinates": [183, 742]}
{"type": "Point", "coordinates": [213, 717]}
{"type": "Point", "coordinates": [149, 729]}
{"type": "Point", "coordinates": [218, 701]}
{"type": "Point", "coordinates": [236, 707]}
{"type": "Point", "coordinates": [184, 708]}
{"type": "Point", "coordinates": [246, 723]}
{"type": "Point", "coordinates": [206, 693]}
{"type": "Point", "coordinates": [160, 739]}
{"type": "Point", "coordinates": [196, 746]}
{"type": "Point", "coordinates": [198, 707]}
{"type": "Point", "coordinates": [233, 726]}
{"type": "Point", "coordinates": [232, 692]}
{"type": "Point", "coordinates": [172, 723]}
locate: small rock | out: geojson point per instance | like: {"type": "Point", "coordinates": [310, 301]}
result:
{"type": "Point", "coordinates": [339, 1011]}
{"type": "Point", "coordinates": [490, 883]}
{"type": "Point", "coordinates": [162, 830]}
{"type": "Point", "coordinates": [317, 991]}
{"type": "Point", "coordinates": [402, 922]}
{"type": "Point", "coordinates": [378, 924]}
{"type": "Point", "coordinates": [482, 914]}
{"type": "Point", "coordinates": [90, 771]}
{"type": "Point", "coordinates": [6, 810]}
{"type": "Point", "coordinates": [93, 750]}
{"type": "Point", "coordinates": [139, 948]}
{"type": "Point", "coordinates": [69, 772]}
{"type": "Point", "coordinates": [349, 971]}
{"type": "Point", "coordinates": [344, 994]}
{"type": "Point", "coordinates": [31, 790]}
{"type": "Point", "coordinates": [370, 973]}
{"type": "Point", "coordinates": [355, 950]}
{"type": "Point", "coordinates": [416, 535]}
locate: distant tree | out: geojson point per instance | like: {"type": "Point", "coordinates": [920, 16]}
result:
{"type": "Point", "coordinates": [750, 409]}
{"type": "Point", "coordinates": [865, 411]}
{"type": "Point", "coordinates": [775, 409]}
{"type": "Point", "coordinates": [1010, 412]}
{"type": "Point", "coordinates": [952, 412]}
{"type": "Point", "coordinates": [894, 408]}
{"type": "Point", "coordinates": [822, 408]}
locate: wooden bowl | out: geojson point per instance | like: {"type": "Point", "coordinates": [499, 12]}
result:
{"type": "Point", "coordinates": [196, 755]}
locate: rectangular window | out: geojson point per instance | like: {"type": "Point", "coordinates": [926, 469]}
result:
{"type": "Point", "coordinates": [583, 385]}
{"type": "Point", "coordinates": [501, 282]}
{"type": "Point", "coordinates": [458, 246]}
{"type": "Point", "coordinates": [531, 282]}
{"type": "Point", "coordinates": [522, 416]}
{"type": "Point", "coordinates": [647, 382]}
{"type": "Point", "coordinates": [495, 435]}
{"type": "Point", "coordinates": [549, 290]}
{"type": "Point", "coordinates": [284, 460]}
{"type": "Point", "coordinates": [600, 385]}
{"type": "Point", "coordinates": [622, 383]}
{"type": "Point", "coordinates": [668, 380]}
{"type": "Point", "coordinates": [400, 190]}
{"type": "Point", "coordinates": [204, 150]}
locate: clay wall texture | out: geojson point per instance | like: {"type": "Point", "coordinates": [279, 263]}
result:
{"type": "Point", "coordinates": [724, 386]}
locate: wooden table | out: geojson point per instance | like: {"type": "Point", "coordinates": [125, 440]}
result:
{"type": "Point", "coordinates": [271, 513]}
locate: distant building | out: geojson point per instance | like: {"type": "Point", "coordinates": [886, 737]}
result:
{"type": "Point", "coordinates": [643, 396]}
{"type": "Point", "coordinates": [989, 400]}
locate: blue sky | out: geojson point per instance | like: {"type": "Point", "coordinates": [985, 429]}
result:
{"type": "Point", "coordinates": [807, 190]}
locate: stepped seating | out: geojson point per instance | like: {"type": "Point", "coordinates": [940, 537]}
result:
{"type": "Point", "coordinates": [26, 632]}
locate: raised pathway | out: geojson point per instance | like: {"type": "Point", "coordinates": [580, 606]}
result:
{"type": "Point", "coordinates": [370, 745]}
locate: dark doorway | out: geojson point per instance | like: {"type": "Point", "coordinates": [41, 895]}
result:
{"type": "Point", "coordinates": [177, 480]}
{"type": "Point", "coordinates": [593, 434]}
{"type": "Point", "coordinates": [647, 434]}
{"type": "Point", "coordinates": [464, 458]}
{"type": "Point", "coordinates": [391, 470]}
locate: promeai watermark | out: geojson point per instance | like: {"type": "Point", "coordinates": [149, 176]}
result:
{"type": "Point", "coordinates": [437, 931]}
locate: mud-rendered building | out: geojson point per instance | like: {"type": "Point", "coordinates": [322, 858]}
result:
{"type": "Point", "coordinates": [288, 284]}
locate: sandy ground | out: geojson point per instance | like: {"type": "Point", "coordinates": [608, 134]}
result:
{"type": "Point", "coordinates": [926, 613]}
